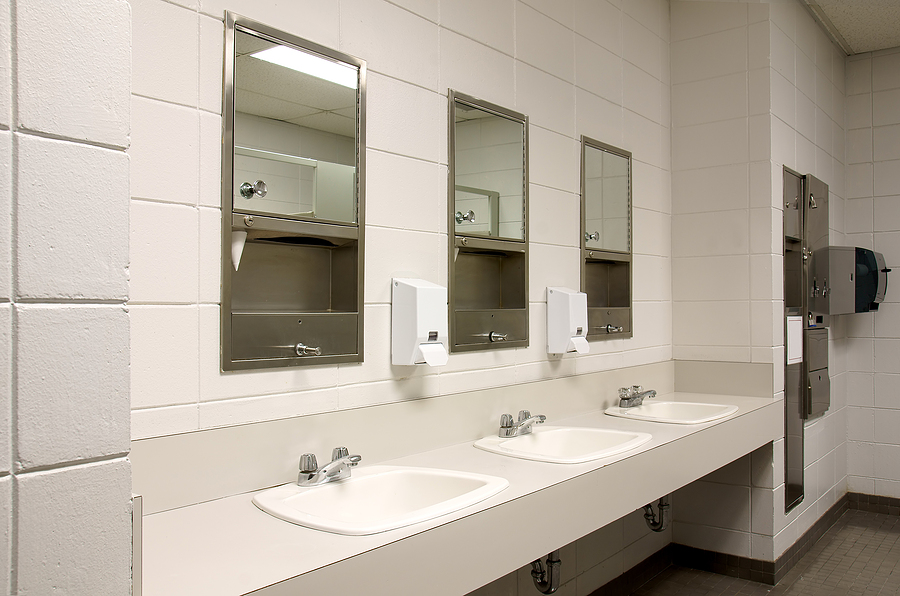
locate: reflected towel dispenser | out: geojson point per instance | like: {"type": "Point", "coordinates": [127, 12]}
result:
{"type": "Point", "coordinates": [567, 321]}
{"type": "Point", "coordinates": [850, 279]}
{"type": "Point", "coordinates": [418, 322]}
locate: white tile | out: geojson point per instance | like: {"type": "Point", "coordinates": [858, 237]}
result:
{"type": "Point", "coordinates": [860, 355]}
{"type": "Point", "coordinates": [165, 153]}
{"type": "Point", "coordinates": [885, 70]}
{"type": "Point", "coordinates": [782, 51]}
{"type": "Point", "coordinates": [711, 278]}
{"type": "Point", "coordinates": [210, 256]}
{"type": "Point", "coordinates": [652, 233]}
{"type": "Point", "coordinates": [5, 392]}
{"type": "Point", "coordinates": [391, 40]}
{"type": "Point", "coordinates": [886, 426]}
{"type": "Point", "coordinates": [210, 178]}
{"type": "Point", "coordinates": [422, 255]}
{"type": "Point", "coordinates": [493, 80]}
{"type": "Point", "coordinates": [715, 144]}
{"type": "Point", "coordinates": [642, 47]}
{"type": "Point", "coordinates": [886, 142]}
{"type": "Point", "coordinates": [601, 22]}
{"type": "Point", "coordinates": [887, 178]}
{"type": "Point", "coordinates": [887, 461]}
{"type": "Point", "coordinates": [212, 36]}
{"type": "Point", "coordinates": [598, 70]}
{"type": "Point", "coordinates": [548, 101]}
{"type": "Point", "coordinates": [71, 383]}
{"type": "Point", "coordinates": [763, 472]}
{"type": "Point", "coordinates": [171, 70]}
{"type": "Point", "coordinates": [551, 265]}
{"type": "Point", "coordinates": [164, 253]}
{"type": "Point", "coordinates": [762, 511]}
{"type": "Point", "coordinates": [160, 422]}
{"type": "Point", "coordinates": [725, 233]}
{"type": "Point", "coordinates": [599, 575]}
{"type": "Point", "coordinates": [806, 116]}
{"type": "Point", "coordinates": [647, 140]}
{"type": "Point", "coordinates": [405, 119]}
{"type": "Point", "coordinates": [711, 323]}
{"type": "Point", "coordinates": [652, 330]}
{"type": "Point", "coordinates": [310, 19]}
{"type": "Point", "coordinates": [642, 93]}
{"type": "Point", "coordinates": [859, 145]}
{"type": "Point", "coordinates": [5, 67]}
{"type": "Point", "coordinates": [714, 539]}
{"type": "Point", "coordinates": [805, 73]}
{"type": "Point", "coordinates": [861, 389]}
{"type": "Point", "coordinates": [760, 137]}
{"type": "Point", "coordinates": [544, 43]}
{"type": "Point", "coordinates": [60, 89]}
{"type": "Point", "coordinates": [859, 111]}
{"type": "Point", "coordinates": [695, 19]}
{"type": "Point", "coordinates": [5, 215]}
{"type": "Point", "coordinates": [247, 410]}
{"type": "Point", "coordinates": [700, 190]}
{"type": "Point", "coordinates": [709, 56]}
{"type": "Point", "coordinates": [886, 107]}
{"type": "Point", "coordinates": [73, 251]}
{"type": "Point", "coordinates": [710, 100]}
{"type": "Point", "coordinates": [886, 214]}
{"type": "Point", "coordinates": [553, 160]}
{"type": "Point", "coordinates": [887, 355]}
{"type": "Point", "coordinates": [599, 118]}
{"type": "Point", "coordinates": [50, 550]}
{"type": "Point", "coordinates": [6, 524]}
{"type": "Point", "coordinates": [860, 424]}
{"type": "Point", "coordinates": [653, 277]}
{"type": "Point", "coordinates": [887, 390]}
{"type": "Point", "coordinates": [554, 216]}
{"type": "Point", "coordinates": [766, 231]}
{"type": "Point", "coordinates": [860, 180]}
{"type": "Point", "coordinates": [405, 193]}
{"type": "Point", "coordinates": [859, 75]}
{"type": "Point", "coordinates": [164, 338]}
{"type": "Point", "coordinates": [459, 382]}
{"type": "Point", "coordinates": [784, 144]}
{"type": "Point", "coordinates": [490, 23]}
{"type": "Point", "coordinates": [649, 13]}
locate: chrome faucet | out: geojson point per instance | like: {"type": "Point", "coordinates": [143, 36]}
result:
{"type": "Point", "coordinates": [508, 428]}
{"type": "Point", "coordinates": [630, 397]}
{"type": "Point", "coordinates": [337, 469]}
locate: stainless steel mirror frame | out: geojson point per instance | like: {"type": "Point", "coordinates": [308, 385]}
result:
{"type": "Point", "coordinates": [594, 254]}
{"type": "Point", "coordinates": [518, 246]}
{"type": "Point", "coordinates": [236, 22]}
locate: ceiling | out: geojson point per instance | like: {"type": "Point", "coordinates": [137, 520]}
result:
{"type": "Point", "coordinates": [859, 26]}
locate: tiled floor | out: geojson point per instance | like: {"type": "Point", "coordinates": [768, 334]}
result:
{"type": "Point", "coordinates": [858, 556]}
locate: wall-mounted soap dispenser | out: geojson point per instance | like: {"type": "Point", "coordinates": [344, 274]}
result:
{"type": "Point", "coordinates": [418, 322]}
{"type": "Point", "coordinates": [567, 321]}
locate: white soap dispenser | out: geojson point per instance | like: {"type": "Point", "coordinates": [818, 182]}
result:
{"type": "Point", "coordinates": [567, 321]}
{"type": "Point", "coordinates": [418, 322]}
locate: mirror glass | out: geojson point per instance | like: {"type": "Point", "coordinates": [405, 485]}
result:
{"type": "Point", "coordinates": [489, 154]}
{"type": "Point", "coordinates": [295, 132]}
{"type": "Point", "coordinates": [607, 198]}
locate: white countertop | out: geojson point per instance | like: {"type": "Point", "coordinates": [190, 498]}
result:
{"type": "Point", "coordinates": [228, 547]}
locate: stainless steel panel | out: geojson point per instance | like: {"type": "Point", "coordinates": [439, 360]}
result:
{"type": "Point", "coordinates": [818, 392]}
{"type": "Point", "coordinates": [267, 339]}
{"type": "Point", "coordinates": [793, 437]}
{"type": "Point", "coordinates": [474, 327]}
{"type": "Point", "coordinates": [603, 323]}
{"type": "Point", "coordinates": [607, 282]}
{"type": "Point", "coordinates": [793, 205]}
{"type": "Point", "coordinates": [815, 220]}
{"type": "Point", "coordinates": [816, 349]}
{"type": "Point", "coordinates": [836, 272]}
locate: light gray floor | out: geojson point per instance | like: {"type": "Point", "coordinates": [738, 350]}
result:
{"type": "Point", "coordinates": [858, 556]}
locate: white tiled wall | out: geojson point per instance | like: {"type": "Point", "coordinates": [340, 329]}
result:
{"type": "Point", "coordinates": [873, 221]}
{"type": "Point", "coordinates": [534, 57]}
{"type": "Point", "coordinates": [65, 480]}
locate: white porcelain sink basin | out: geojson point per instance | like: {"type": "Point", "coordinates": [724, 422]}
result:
{"type": "Point", "coordinates": [565, 444]}
{"type": "Point", "coordinates": [675, 412]}
{"type": "Point", "coordinates": [378, 498]}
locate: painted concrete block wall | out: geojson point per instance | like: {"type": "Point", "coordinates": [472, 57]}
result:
{"type": "Point", "coordinates": [65, 480]}
{"type": "Point", "coordinates": [584, 67]}
{"type": "Point", "coordinates": [784, 84]}
{"type": "Point", "coordinates": [873, 221]}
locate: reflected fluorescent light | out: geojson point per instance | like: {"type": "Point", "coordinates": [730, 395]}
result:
{"type": "Point", "coordinates": [310, 64]}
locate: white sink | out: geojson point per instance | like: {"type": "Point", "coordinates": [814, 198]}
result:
{"type": "Point", "coordinates": [675, 412]}
{"type": "Point", "coordinates": [565, 444]}
{"type": "Point", "coordinates": [378, 498]}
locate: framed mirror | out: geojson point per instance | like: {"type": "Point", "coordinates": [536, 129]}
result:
{"type": "Point", "coordinates": [488, 220]}
{"type": "Point", "coordinates": [606, 274]}
{"type": "Point", "coordinates": [293, 164]}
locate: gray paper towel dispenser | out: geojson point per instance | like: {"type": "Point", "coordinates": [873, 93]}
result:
{"type": "Point", "coordinates": [848, 279]}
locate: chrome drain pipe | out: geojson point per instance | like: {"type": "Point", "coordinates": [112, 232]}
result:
{"type": "Point", "coordinates": [657, 525]}
{"type": "Point", "coordinates": [546, 580]}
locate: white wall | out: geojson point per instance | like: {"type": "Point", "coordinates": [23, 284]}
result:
{"type": "Point", "coordinates": [65, 482]}
{"type": "Point", "coordinates": [873, 221]}
{"type": "Point", "coordinates": [584, 67]}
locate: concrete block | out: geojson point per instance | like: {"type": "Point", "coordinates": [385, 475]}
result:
{"type": "Point", "coordinates": [166, 66]}
{"type": "Point", "coordinates": [72, 231]}
{"type": "Point", "coordinates": [74, 530]}
{"type": "Point", "coordinates": [78, 86]}
{"type": "Point", "coordinates": [5, 389]}
{"type": "Point", "coordinates": [72, 383]}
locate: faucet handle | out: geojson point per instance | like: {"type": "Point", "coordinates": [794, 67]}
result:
{"type": "Point", "coordinates": [339, 452]}
{"type": "Point", "coordinates": [506, 421]}
{"type": "Point", "coordinates": [637, 389]}
{"type": "Point", "coordinates": [624, 392]}
{"type": "Point", "coordinates": [308, 463]}
{"type": "Point", "coordinates": [524, 415]}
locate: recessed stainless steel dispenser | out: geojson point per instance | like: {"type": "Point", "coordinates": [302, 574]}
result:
{"type": "Point", "coordinates": [488, 210]}
{"type": "Point", "coordinates": [606, 269]}
{"type": "Point", "coordinates": [852, 279]}
{"type": "Point", "coordinates": [292, 201]}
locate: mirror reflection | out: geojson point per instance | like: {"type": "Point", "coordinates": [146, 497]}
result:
{"type": "Point", "coordinates": [606, 199]}
{"type": "Point", "coordinates": [295, 133]}
{"type": "Point", "coordinates": [489, 172]}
